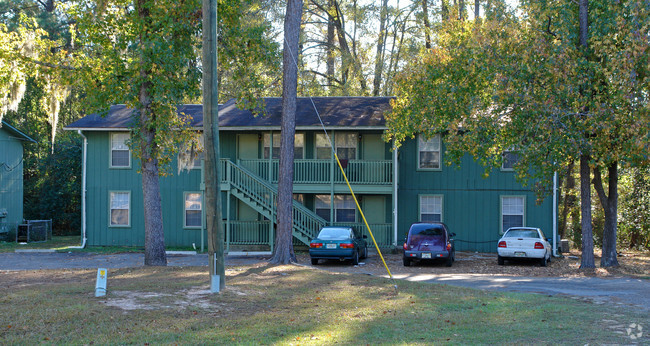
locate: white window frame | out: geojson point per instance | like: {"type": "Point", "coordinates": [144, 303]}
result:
{"type": "Point", "coordinates": [186, 210]}
{"type": "Point", "coordinates": [339, 143]}
{"type": "Point", "coordinates": [298, 143]}
{"type": "Point", "coordinates": [323, 202]}
{"type": "Point", "coordinates": [341, 202]}
{"type": "Point", "coordinates": [421, 206]}
{"type": "Point", "coordinates": [502, 214]}
{"type": "Point", "coordinates": [112, 148]}
{"type": "Point", "coordinates": [514, 162]}
{"type": "Point", "coordinates": [110, 209]}
{"type": "Point", "coordinates": [434, 141]}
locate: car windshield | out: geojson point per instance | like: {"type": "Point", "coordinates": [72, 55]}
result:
{"type": "Point", "coordinates": [427, 230]}
{"type": "Point", "coordinates": [334, 233]}
{"type": "Point", "coordinates": [521, 233]}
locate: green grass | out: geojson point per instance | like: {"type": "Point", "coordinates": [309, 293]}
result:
{"type": "Point", "coordinates": [57, 242]}
{"type": "Point", "coordinates": [289, 305]}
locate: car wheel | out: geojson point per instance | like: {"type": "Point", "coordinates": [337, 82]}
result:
{"type": "Point", "coordinates": [355, 258]}
{"type": "Point", "coordinates": [450, 261]}
{"type": "Point", "coordinates": [543, 262]}
{"type": "Point", "coordinates": [314, 261]}
{"type": "Point", "coordinates": [500, 260]}
{"type": "Point", "coordinates": [407, 262]}
{"type": "Point", "coordinates": [365, 252]}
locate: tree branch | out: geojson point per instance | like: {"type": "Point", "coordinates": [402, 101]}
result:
{"type": "Point", "coordinates": [598, 185]}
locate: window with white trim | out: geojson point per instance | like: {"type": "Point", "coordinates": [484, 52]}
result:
{"type": "Point", "coordinates": [430, 208]}
{"type": "Point", "coordinates": [512, 212]}
{"type": "Point", "coordinates": [344, 207]}
{"type": "Point", "coordinates": [193, 210]}
{"type": "Point", "coordinates": [510, 159]}
{"type": "Point", "coordinates": [344, 142]}
{"type": "Point", "coordinates": [298, 146]}
{"type": "Point", "coordinates": [429, 152]}
{"type": "Point", "coordinates": [120, 207]}
{"type": "Point", "coordinates": [120, 153]}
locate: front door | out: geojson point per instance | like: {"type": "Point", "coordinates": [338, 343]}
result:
{"type": "Point", "coordinates": [248, 146]}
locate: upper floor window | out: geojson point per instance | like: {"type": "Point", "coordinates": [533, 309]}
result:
{"type": "Point", "coordinates": [429, 152]}
{"type": "Point", "coordinates": [120, 207]}
{"type": "Point", "coordinates": [193, 209]}
{"type": "Point", "coordinates": [512, 212]}
{"type": "Point", "coordinates": [510, 159]}
{"type": "Point", "coordinates": [298, 146]}
{"type": "Point", "coordinates": [191, 154]}
{"type": "Point", "coordinates": [120, 153]}
{"type": "Point", "coordinates": [430, 208]}
{"type": "Point", "coordinates": [344, 142]}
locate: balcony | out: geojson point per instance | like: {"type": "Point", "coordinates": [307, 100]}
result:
{"type": "Point", "coordinates": [358, 172]}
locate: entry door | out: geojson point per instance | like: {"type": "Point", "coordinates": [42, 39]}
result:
{"type": "Point", "coordinates": [248, 146]}
{"type": "Point", "coordinates": [373, 147]}
{"type": "Point", "coordinates": [374, 208]}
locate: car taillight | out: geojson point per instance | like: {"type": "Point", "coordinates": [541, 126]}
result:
{"type": "Point", "coordinates": [346, 245]}
{"type": "Point", "coordinates": [539, 245]}
{"type": "Point", "coordinates": [406, 247]}
{"type": "Point", "coordinates": [502, 244]}
{"type": "Point", "coordinates": [315, 245]}
{"type": "Point", "coordinates": [448, 246]}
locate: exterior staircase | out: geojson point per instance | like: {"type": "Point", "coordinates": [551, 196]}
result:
{"type": "Point", "coordinates": [262, 196]}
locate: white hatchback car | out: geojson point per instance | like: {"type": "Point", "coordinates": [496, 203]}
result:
{"type": "Point", "coordinates": [524, 242]}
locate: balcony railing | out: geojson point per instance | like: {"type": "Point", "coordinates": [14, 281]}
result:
{"type": "Point", "coordinates": [325, 171]}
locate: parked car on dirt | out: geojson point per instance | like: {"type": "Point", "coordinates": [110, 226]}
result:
{"type": "Point", "coordinates": [524, 242]}
{"type": "Point", "coordinates": [342, 243]}
{"type": "Point", "coordinates": [428, 241]}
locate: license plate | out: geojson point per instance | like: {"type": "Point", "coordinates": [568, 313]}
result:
{"type": "Point", "coordinates": [426, 255]}
{"type": "Point", "coordinates": [520, 254]}
{"type": "Point", "coordinates": [331, 246]}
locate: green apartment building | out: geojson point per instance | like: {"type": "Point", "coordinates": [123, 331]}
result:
{"type": "Point", "coordinates": [394, 188]}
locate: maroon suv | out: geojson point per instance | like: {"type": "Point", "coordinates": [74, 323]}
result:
{"type": "Point", "coordinates": [429, 241]}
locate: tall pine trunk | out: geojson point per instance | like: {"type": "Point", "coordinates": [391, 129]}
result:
{"type": "Point", "coordinates": [585, 172]}
{"type": "Point", "coordinates": [379, 58]}
{"type": "Point", "coordinates": [283, 251]}
{"type": "Point", "coordinates": [609, 201]}
{"type": "Point", "coordinates": [154, 235]}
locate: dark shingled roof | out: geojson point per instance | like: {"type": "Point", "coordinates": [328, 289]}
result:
{"type": "Point", "coordinates": [336, 112]}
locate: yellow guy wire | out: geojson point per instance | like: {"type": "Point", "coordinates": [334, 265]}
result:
{"type": "Point", "coordinates": [342, 171]}
{"type": "Point", "coordinates": [360, 211]}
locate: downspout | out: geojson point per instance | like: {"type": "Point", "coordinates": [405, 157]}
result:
{"type": "Point", "coordinates": [395, 198]}
{"type": "Point", "coordinates": [84, 156]}
{"type": "Point", "coordinates": [555, 254]}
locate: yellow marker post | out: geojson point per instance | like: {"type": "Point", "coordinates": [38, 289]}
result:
{"type": "Point", "coordinates": [100, 285]}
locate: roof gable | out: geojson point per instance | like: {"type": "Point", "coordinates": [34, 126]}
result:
{"type": "Point", "coordinates": [15, 132]}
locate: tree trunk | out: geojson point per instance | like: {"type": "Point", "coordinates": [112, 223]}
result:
{"type": "Point", "coordinates": [211, 177]}
{"type": "Point", "coordinates": [330, 41]}
{"type": "Point", "coordinates": [154, 235]}
{"type": "Point", "coordinates": [444, 10]}
{"type": "Point", "coordinates": [379, 58]}
{"type": "Point", "coordinates": [610, 206]}
{"type": "Point", "coordinates": [568, 200]}
{"type": "Point", "coordinates": [585, 211]}
{"type": "Point", "coordinates": [427, 25]}
{"type": "Point", "coordinates": [283, 251]}
{"type": "Point", "coordinates": [477, 9]}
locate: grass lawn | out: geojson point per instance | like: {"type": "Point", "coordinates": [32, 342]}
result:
{"type": "Point", "coordinates": [57, 242]}
{"type": "Point", "coordinates": [289, 305]}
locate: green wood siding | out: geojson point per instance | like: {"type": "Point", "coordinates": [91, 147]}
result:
{"type": "Point", "coordinates": [471, 203]}
{"type": "Point", "coordinates": [11, 177]}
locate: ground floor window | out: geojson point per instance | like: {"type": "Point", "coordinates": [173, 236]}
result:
{"type": "Point", "coordinates": [512, 212]}
{"type": "Point", "coordinates": [193, 209]}
{"type": "Point", "coordinates": [120, 207]}
{"type": "Point", "coordinates": [344, 208]}
{"type": "Point", "coordinates": [431, 208]}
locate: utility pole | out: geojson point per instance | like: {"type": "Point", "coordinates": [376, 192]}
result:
{"type": "Point", "coordinates": [211, 144]}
